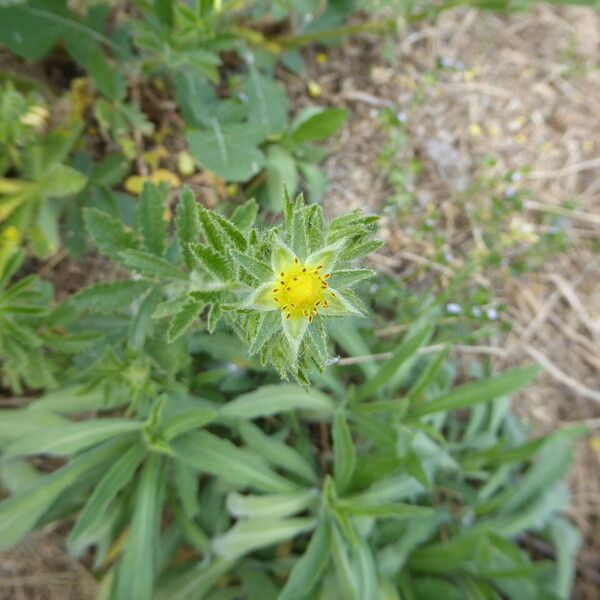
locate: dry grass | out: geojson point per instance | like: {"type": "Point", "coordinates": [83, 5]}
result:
{"type": "Point", "coordinates": [40, 569]}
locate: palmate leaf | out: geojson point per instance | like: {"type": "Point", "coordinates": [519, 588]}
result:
{"type": "Point", "coordinates": [230, 150]}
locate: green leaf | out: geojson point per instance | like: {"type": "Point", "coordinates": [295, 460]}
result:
{"type": "Point", "coordinates": [245, 215]}
{"type": "Point", "coordinates": [277, 452]}
{"type": "Point", "coordinates": [353, 251]}
{"type": "Point", "coordinates": [252, 266]}
{"type": "Point", "coordinates": [229, 231]}
{"type": "Point", "coordinates": [212, 233]}
{"type": "Point", "coordinates": [476, 392]}
{"type": "Point", "coordinates": [142, 323]}
{"type": "Point", "coordinates": [271, 505]}
{"type": "Point", "coordinates": [187, 224]}
{"type": "Point", "coordinates": [141, 547]}
{"type": "Point", "coordinates": [212, 261]}
{"type": "Point", "coordinates": [384, 511]}
{"type": "Point", "coordinates": [116, 478]}
{"type": "Point", "coordinates": [183, 320]}
{"type": "Point", "coordinates": [222, 458]}
{"type": "Point", "coordinates": [267, 102]}
{"type": "Point", "coordinates": [344, 452]}
{"type": "Point", "coordinates": [32, 33]}
{"type": "Point", "coordinates": [298, 233]}
{"type": "Point", "coordinates": [307, 572]}
{"type": "Point", "coordinates": [64, 440]}
{"type": "Point", "coordinates": [110, 235]}
{"type": "Point", "coordinates": [185, 420]}
{"type": "Point", "coordinates": [252, 534]}
{"type": "Point", "coordinates": [23, 424]}
{"type": "Point", "coordinates": [150, 265]}
{"type": "Point", "coordinates": [106, 297]}
{"type": "Point", "coordinates": [274, 399]}
{"type": "Point", "coordinates": [315, 124]}
{"type": "Point", "coordinates": [268, 326]}
{"type": "Point", "coordinates": [196, 582]}
{"type": "Point", "coordinates": [61, 180]}
{"type": "Point", "coordinates": [150, 217]}
{"type": "Point", "coordinates": [404, 352]}
{"type": "Point", "coordinates": [20, 513]}
{"type": "Point", "coordinates": [229, 150]}
{"type": "Point", "coordinates": [281, 173]}
{"type": "Point", "coordinates": [567, 541]}
{"type": "Point", "coordinates": [350, 277]}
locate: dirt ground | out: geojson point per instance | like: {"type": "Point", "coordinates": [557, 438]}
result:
{"type": "Point", "coordinates": [527, 90]}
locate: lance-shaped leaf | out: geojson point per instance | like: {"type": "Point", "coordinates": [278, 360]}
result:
{"type": "Point", "coordinates": [246, 536]}
{"type": "Point", "coordinates": [64, 440]}
{"type": "Point", "coordinates": [273, 399]}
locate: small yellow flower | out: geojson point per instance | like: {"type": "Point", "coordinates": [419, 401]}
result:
{"type": "Point", "coordinates": [35, 117]}
{"type": "Point", "coordinates": [302, 291]}
{"type": "Point", "coordinates": [299, 291]}
{"type": "Point", "coordinates": [185, 163]}
{"type": "Point", "coordinates": [135, 183]}
{"type": "Point", "coordinates": [475, 129]}
{"type": "Point", "coordinates": [322, 58]}
{"type": "Point", "coordinates": [314, 89]}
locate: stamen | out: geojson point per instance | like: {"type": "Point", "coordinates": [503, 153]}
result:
{"type": "Point", "coordinates": [310, 319]}
{"type": "Point", "coordinates": [333, 294]}
{"type": "Point", "coordinates": [319, 267]}
{"type": "Point", "coordinates": [327, 276]}
{"type": "Point", "coordinates": [275, 290]}
{"type": "Point", "coordinates": [288, 315]}
{"type": "Point", "coordinates": [304, 270]}
{"type": "Point", "coordinates": [282, 274]}
{"type": "Point", "coordinates": [288, 288]}
{"type": "Point", "coordinates": [296, 261]}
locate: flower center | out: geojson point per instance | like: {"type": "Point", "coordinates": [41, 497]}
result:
{"type": "Point", "coordinates": [301, 291]}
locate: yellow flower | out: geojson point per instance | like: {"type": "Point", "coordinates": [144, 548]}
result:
{"type": "Point", "coordinates": [301, 291]}
{"type": "Point", "coordinates": [314, 89]}
{"type": "Point", "coordinates": [135, 183]}
{"type": "Point", "coordinates": [35, 117]}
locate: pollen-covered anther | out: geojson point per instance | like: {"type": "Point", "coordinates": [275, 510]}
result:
{"type": "Point", "coordinates": [301, 291]}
